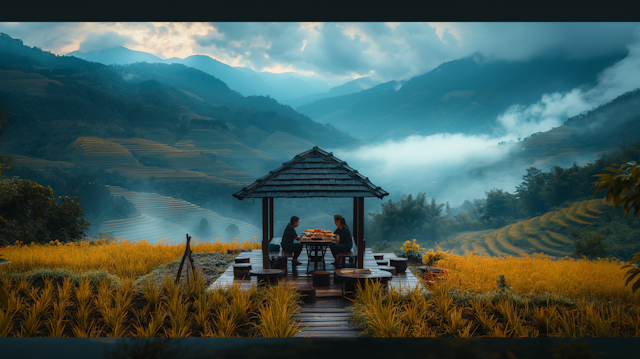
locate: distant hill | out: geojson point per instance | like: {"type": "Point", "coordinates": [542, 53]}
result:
{"type": "Point", "coordinates": [350, 87]}
{"type": "Point", "coordinates": [461, 96]}
{"type": "Point", "coordinates": [91, 99]}
{"type": "Point", "coordinates": [246, 81]}
{"type": "Point", "coordinates": [580, 139]}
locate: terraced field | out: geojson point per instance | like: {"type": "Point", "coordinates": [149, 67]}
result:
{"type": "Point", "coordinates": [166, 217]}
{"type": "Point", "coordinates": [283, 144]}
{"type": "Point", "coordinates": [184, 160]}
{"type": "Point", "coordinates": [117, 155]}
{"type": "Point", "coordinates": [38, 163]}
{"type": "Point", "coordinates": [31, 83]}
{"type": "Point", "coordinates": [219, 144]}
{"type": "Point", "coordinates": [547, 233]}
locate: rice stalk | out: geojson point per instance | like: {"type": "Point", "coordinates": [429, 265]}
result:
{"type": "Point", "coordinates": [178, 316]}
{"type": "Point", "coordinates": [151, 291]}
{"type": "Point", "coordinates": [140, 329]}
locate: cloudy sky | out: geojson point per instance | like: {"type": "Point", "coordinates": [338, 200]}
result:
{"type": "Point", "coordinates": [336, 52]}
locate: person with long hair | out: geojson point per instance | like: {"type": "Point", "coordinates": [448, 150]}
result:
{"type": "Point", "coordinates": [288, 237]}
{"type": "Point", "coordinates": [344, 241]}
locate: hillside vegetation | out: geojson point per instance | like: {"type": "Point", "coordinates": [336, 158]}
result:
{"type": "Point", "coordinates": [548, 234]}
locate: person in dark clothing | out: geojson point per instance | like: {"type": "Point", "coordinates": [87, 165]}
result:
{"type": "Point", "coordinates": [344, 241]}
{"type": "Point", "coordinates": [288, 237]}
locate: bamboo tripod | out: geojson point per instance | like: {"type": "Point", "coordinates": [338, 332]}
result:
{"type": "Point", "coordinates": [187, 253]}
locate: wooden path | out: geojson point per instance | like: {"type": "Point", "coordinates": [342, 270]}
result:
{"type": "Point", "coordinates": [328, 316]}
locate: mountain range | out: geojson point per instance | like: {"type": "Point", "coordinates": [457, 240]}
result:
{"type": "Point", "coordinates": [461, 96]}
{"type": "Point", "coordinates": [172, 121]}
{"type": "Point", "coordinates": [246, 81]}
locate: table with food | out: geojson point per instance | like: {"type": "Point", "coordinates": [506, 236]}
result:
{"type": "Point", "coordinates": [316, 241]}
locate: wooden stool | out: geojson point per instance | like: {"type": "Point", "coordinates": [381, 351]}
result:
{"type": "Point", "coordinates": [382, 262]}
{"type": "Point", "coordinates": [399, 263]}
{"type": "Point", "coordinates": [241, 269]}
{"type": "Point", "coordinates": [242, 260]}
{"type": "Point", "coordinates": [267, 276]}
{"type": "Point", "coordinates": [307, 294]}
{"type": "Point", "coordinates": [390, 269]}
{"type": "Point", "coordinates": [378, 257]}
{"type": "Point", "coordinates": [321, 278]}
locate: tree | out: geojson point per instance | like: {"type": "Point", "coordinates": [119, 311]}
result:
{"type": "Point", "coordinates": [34, 214]}
{"type": "Point", "coordinates": [408, 218]}
{"type": "Point", "coordinates": [588, 244]}
{"type": "Point", "coordinates": [232, 231]}
{"type": "Point", "coordinates": [623, 188]}
{"type": "Point", "coordinates": [499, 203]}
{"type": "Point", "coordinates": [528, 192]}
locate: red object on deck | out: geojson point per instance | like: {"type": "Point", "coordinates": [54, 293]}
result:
{"type": "Point", "coordinates": [435, 273]}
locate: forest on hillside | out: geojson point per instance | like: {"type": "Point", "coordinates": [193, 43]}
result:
{"type": "Point", "coordinates": [432, 223]}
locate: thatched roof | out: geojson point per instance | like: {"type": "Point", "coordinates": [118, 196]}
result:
{"type": "Point", "coordinates": [313, 173]}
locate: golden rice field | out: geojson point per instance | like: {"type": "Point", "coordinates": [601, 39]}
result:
{"type": "Point", "coordinates": [538, 274]}
{"type": "Point", "coordinates": [543, 234]}
{"type": "Point", "coordinates": [446, 311]}
{"type": "Point", "coordinates": [539, 296]}
{"type": "Point", "coordinates": [542, 296]}
{"type": "Point", "coordinates": [120, 257]}
{"type": "Point", "coordinates": [86, 309]}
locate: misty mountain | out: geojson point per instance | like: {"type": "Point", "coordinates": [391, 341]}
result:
{"type": "Point", "coordinates": [461, 96]}
{"type": "Point", "coordinates": [57, 99]}
{"type": "Point", "coordinates": [350, 87]}
{"type": "Point", "coordinates": [246, 81]}
{"type": "Point", "coordinates": [581, 139]}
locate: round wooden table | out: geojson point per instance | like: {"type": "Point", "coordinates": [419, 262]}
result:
{"type": "Point", "coordinates": [350, 279]}
{"type": "Point", "coordinates": [267, 276]}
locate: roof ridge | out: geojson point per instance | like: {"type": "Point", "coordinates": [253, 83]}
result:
{"type": "Point", "coordinates": [317, 188]}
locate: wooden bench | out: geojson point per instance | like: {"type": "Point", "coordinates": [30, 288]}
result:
{"type": "Point", "coordinates": [351, 255]}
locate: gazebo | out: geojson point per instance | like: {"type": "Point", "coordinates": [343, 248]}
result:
{"type": "Point", "coordinates": [313, 173]}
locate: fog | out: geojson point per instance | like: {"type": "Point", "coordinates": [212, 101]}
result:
{"type": "Point", "coordinates": [422, 163]}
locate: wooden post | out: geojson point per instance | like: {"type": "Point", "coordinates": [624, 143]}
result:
{"type": "Point", "coordinates": [270, 219]}
{"type": "Point", "coordinates": [187, 254]}
{"type": "Point", "coordinates": [361, 248]}
{"type": "Point", "coordinates": [354, 223]}
{"type": "Point", "coordinates": [265, 234]}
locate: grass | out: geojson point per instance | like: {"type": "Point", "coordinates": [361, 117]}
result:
{"type": "Point", "coordinates": [107, 310]}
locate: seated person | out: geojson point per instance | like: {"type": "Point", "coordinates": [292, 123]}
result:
{"type": "Point", "coordinates": [344, 241]}
{"type": "Point", "coordinates": [288, 237]}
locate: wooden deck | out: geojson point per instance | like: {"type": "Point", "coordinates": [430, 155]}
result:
{"type": "Point", "coordinates": [328, 316]}
{"type": "Point", "coordinates": [297, 275]}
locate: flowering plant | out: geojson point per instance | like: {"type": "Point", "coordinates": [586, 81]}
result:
{"type": "Point", "coordinates": [410, 250]}
{"type": "Point", "coordinates": [431, 257]}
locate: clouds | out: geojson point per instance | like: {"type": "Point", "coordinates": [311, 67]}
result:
{"type": "Point", "coordinates": [336, 52]}
{"type": "Point", "coordinates": [523, 41]}
{"type": "Point", "coordinates": [104, 41]}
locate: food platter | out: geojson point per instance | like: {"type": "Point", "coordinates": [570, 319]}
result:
{"type": "Point", "coordinates": [317, 234]}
